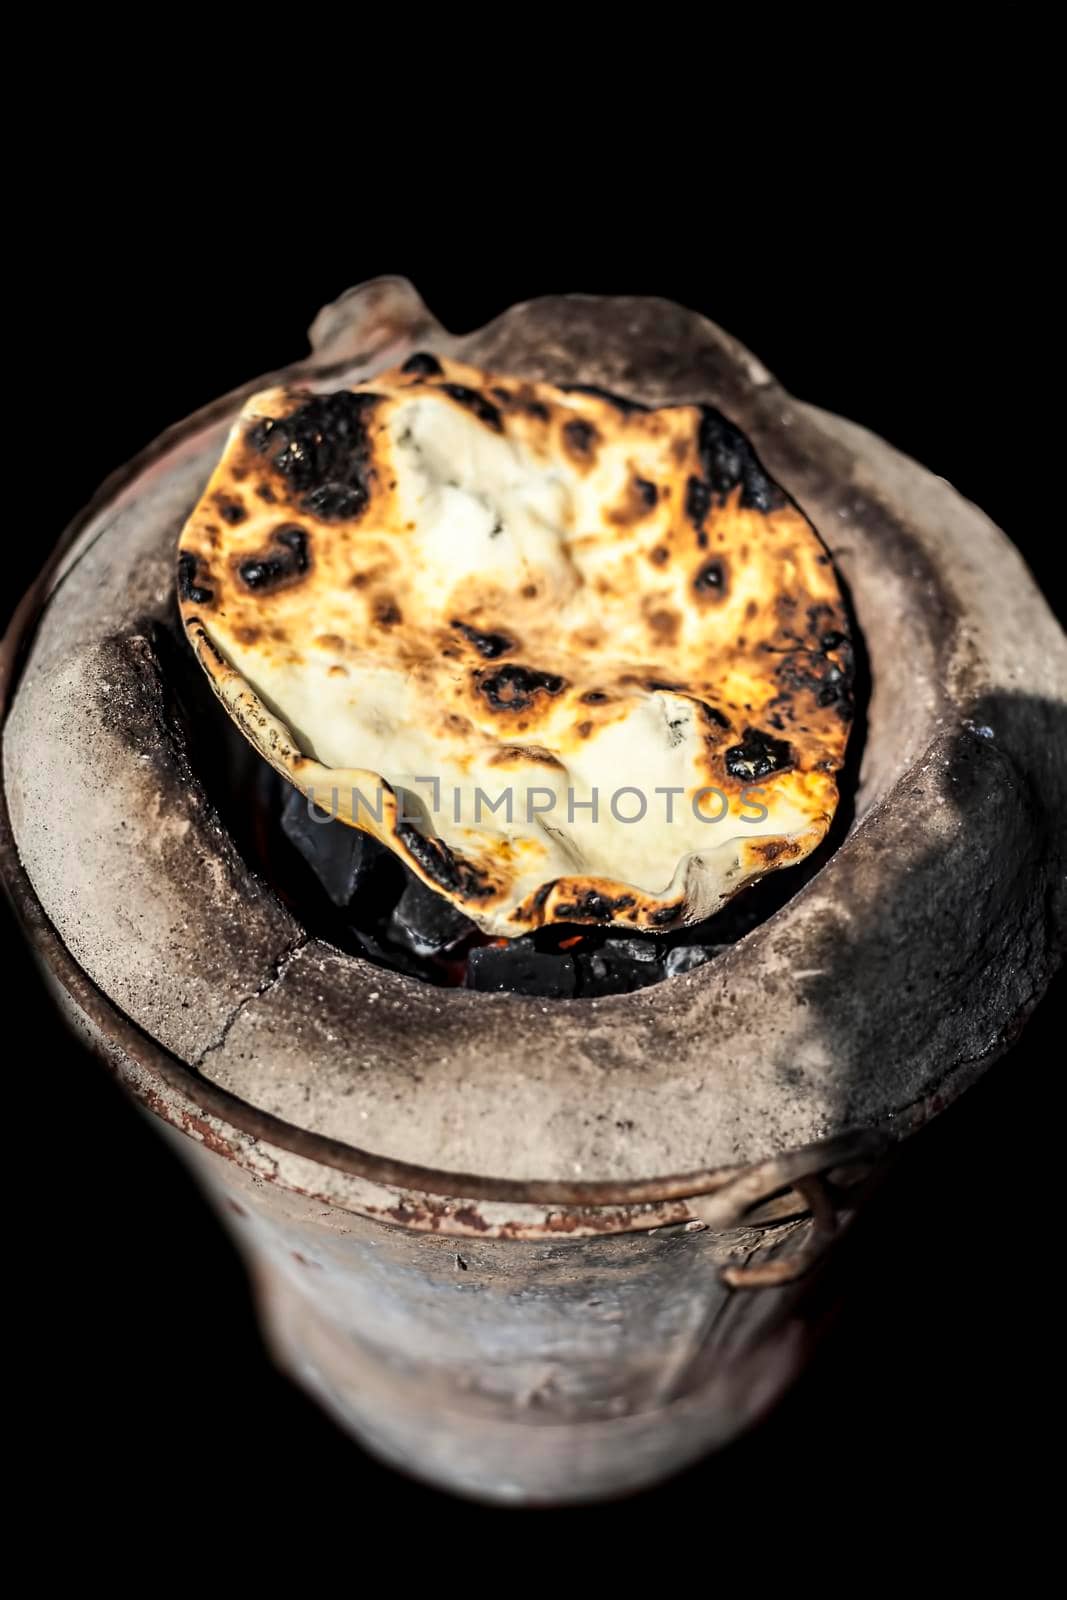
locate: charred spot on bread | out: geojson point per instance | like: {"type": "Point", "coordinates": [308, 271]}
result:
{"type": "Point", "coordinates": [476, 402]}
{"type": "Point", "coordinates": [322, 449]}
{"type": "Point", "coordinates": [231, 511]}
{"type": "Point", "coordinates": [730, 463]}
{"type": "Point", "coordinates": [580, 438]}
{"type": "Point", "coordinates": [711, 578]}
{"type": "Point", "coordinates": [757, 756]}
{"type": "Point", "coordinates": [441, 865]}
{"type": "Point", "coordinates": [489, 645]}
{"type": "Point", "coordinates": [188, 587]}
{"type": "Point", "coordinates": [697, 502]}
{"type": "Point", "coordinates": [515, 688]}
{"type": "Point", "coordinates": [591, 905]}
{"type": "Point", "coordinates": [422, 365]}
{"type": "Point", "coordinates": [288, 560]}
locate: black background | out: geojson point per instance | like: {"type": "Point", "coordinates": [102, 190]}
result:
{"type": "Point", "coordinates": [907, 295]}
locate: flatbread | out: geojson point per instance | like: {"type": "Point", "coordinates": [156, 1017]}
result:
{"type": "Point", "coordinates": [572, 659]}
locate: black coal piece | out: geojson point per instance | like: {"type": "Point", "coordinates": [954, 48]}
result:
{"type": "Point", "coordinates": [632, 947]}
{"type": "Point", "coordinates": [521, 969]}
{"type": "Point", "coordinates": [426, 923]}
{"type": "Point", "coordinates": [386, 954]}
{"type": "Point", "coordinates": [610, 970]}
{"type": "Point", "coordinates": [685, 957]}
{"type": "Point", "coordinates": [343, 859]}
{"type": "Point", "coordinates": [398, 922]}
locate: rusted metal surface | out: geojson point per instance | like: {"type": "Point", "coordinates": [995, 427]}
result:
{"type": "Point", "coordinates": [523, 1370]}
{"type": "Point", "coordinates": [463, 1205]}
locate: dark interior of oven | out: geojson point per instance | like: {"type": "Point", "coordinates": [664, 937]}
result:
{"type": "Point", "coordinates": [350, 890]}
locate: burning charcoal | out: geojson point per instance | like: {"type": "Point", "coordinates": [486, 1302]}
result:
{"type": "Point", "coordinates": [521, 969]}
{"type": "Point", "coordinates": [633, 948]}
{"type": "Point", "coordinates": [684, 957]}
{"type": "Point", "coordinates": [425, 922]}
{"type": "Point", "coordinates": [604, 972]}
{"type": "Point", "coordinates": [342, 858]}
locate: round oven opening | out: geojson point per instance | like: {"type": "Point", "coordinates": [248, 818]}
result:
{"type": "Point", "coordinates": [352, 892]}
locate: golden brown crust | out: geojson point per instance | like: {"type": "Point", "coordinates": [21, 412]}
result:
{"type": "Point", "coordinates": [645, 569]}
